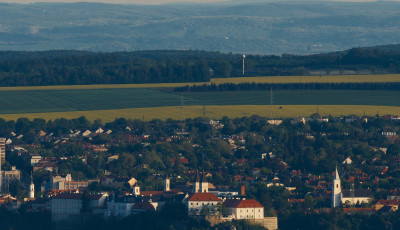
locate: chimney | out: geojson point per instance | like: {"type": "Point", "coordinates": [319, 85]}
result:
{"type": "Point", "coordinates": [242, 190]}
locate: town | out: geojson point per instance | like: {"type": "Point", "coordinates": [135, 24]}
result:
{"type": "Point", "coordinates": [253, 171]}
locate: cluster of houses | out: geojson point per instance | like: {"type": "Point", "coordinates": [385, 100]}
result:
{"type": "Point", "coordinates": [66, 204]}
{"type": "Point", "coordinates": [64, 196]}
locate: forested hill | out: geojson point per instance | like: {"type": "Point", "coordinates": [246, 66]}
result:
{"type": "Point", "coordinates": [81, 67]}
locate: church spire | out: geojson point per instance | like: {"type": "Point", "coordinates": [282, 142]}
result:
{"type": "Point", "coordinates": [31, 189]}
{"type": "Point", "coordinates": [336, 175]}
{"type": "Point", "coordinates": [336, 190]}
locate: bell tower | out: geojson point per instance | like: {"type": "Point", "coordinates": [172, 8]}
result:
{"type": "Point", "coordinates": [136, 190]}
{"type": "Point", "coordinates": [336, 190]}
{"type": "Point", "coordinates": [167, 184]}
{"type": "Point", "coordinates": [32, 189]}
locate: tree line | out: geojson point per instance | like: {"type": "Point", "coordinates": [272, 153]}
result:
{"type": "Point", "coordinates": [289, 86]}
{"type": "Point", "coordinates": [77, 67]}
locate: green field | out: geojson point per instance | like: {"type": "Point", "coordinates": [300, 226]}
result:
{"type": "Point", "coordinates": [280, 79]}
{"type": "Point", "coordinates": [81, 100]}
{"type": "Point", "coordinates": [108, 102]}
{"type": "Point", "coordinates": [14, 102]}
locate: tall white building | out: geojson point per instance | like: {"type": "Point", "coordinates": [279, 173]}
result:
{"type": "Point", "coordinates": [2, 149]}
{"type": "Point", "coordinates": [31, 189]}
{"type": "Point", "coordinates": [336, 190]}
{"type": "Point", "coordinates": [167, 184]}
{"type": "Point", "coordinates": [6, 177]}
{"type": "Point", "coordinates": [2, 152]}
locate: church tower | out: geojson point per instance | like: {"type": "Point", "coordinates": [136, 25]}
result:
{"type": "Point", "coordinates": [32, 189]}
{"type": "Point", "coordinates": [167, 184]}
{"type": "Point", "coordinates": [204, 183]}
{"type": "Point", "coordinates": [136, 190]}
{"type": "Point", "coordinates": [336, 190]}
{"type": "Point", "coordinates": [196, 183]}
{"type": "Point", "coordinates": [200, 183]}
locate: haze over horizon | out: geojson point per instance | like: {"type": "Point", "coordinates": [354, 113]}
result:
{"type": "Point", "coordinates": [258, 27]}
{"type": "Point", "coordinates": [144, 2]}
{"type": "Point", "coordinates": [155, 2]}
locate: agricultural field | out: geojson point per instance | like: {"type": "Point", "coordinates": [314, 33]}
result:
{"type": "Point", "coordinates": [307, 79]}
{"type": "Point", "coordinates": [278, 79]}
{"type": "Point", "coordinates": [214, 112]}
{"type": "Point", "coordinates": [150, 101]}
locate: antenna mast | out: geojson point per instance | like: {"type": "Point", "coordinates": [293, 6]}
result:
{"type": "Point", "coordinates": [270, 105]}
{"type": "Point", "coordinates": [244, 56]}
{"type": "Point", "coordinates": [352, 196]}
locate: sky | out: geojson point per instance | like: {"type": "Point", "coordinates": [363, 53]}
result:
{"type": "Point", "coordinates": [150, 2]}
{"type": "Point", "coordinates": [147, 2]}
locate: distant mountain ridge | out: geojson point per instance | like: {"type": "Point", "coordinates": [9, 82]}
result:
{"type": "Point", "coordinates": [301, 27]}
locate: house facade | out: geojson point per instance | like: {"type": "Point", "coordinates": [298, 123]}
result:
{"type": "Point", "coordinates": [244, 209]}
{"type": "Point", "coordinates": [197, 201]}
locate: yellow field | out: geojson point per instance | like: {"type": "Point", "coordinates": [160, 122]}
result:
{"type": "Point", "coordinates": [305, 79]}
{"type": "Point", "coordinates": [279, 79]}
{"type": "Point", "coordinates": [215, 112]}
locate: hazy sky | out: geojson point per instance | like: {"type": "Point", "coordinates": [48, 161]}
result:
{"type": "Point", "coordinates": [152, 2]}
{"type": "Point", "coordinates": [113, 1]}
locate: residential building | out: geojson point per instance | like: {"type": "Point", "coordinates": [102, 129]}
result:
{"type": "Point", "coordinates": [65, 206]}
{"type": "Point", "coordinates": [244, 209]}
{"type": "Point", "coordinates": [197, 201]}
{"type": "Point", "coordinates": [65, 183]}
{"type": "Point", "coordinates": [8, 176]}
{"type": "Point", "coordinates": [2, 150]}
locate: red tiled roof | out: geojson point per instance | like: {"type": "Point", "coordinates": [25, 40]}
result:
{"type": "Point", "coordinates": [144, 206]}
{"type": "Point", "coordinates": [295, 201]}
{"type": "Point", "coordinates": [232, 203]}
{"type": "Point", "coordinates": [388, 202]}
{"type": "Point", "coordinates": [203, 197]}
{"type": "Point", "coordinates": [347, 210]}
{"type": "Point", "coordinates": [181, 160]}
{"type": "Point", "coordinates": [76, 196]}
{"type": "Point", "coordinates": [152, 193]}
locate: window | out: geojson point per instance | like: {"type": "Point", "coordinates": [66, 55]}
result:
{"type": "Point", "coordinates": [337, 185]}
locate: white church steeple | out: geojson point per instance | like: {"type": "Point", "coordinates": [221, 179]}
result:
{"type": "Point", "coordinates": [32, 189]}
{"type": "Point", "coordinates": [336, 190]}
{"type": "Point", "coordinates": [136, 190]}
{"type": "Point", "coordinates": [167, 184]}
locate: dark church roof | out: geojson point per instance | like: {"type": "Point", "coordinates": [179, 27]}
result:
{"type": "Point", "coordinates": [200, 177]}
{"type": "Point", "coordinates": [197, 176]}
{"type": "Point", "coordinates": [357, 193]}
